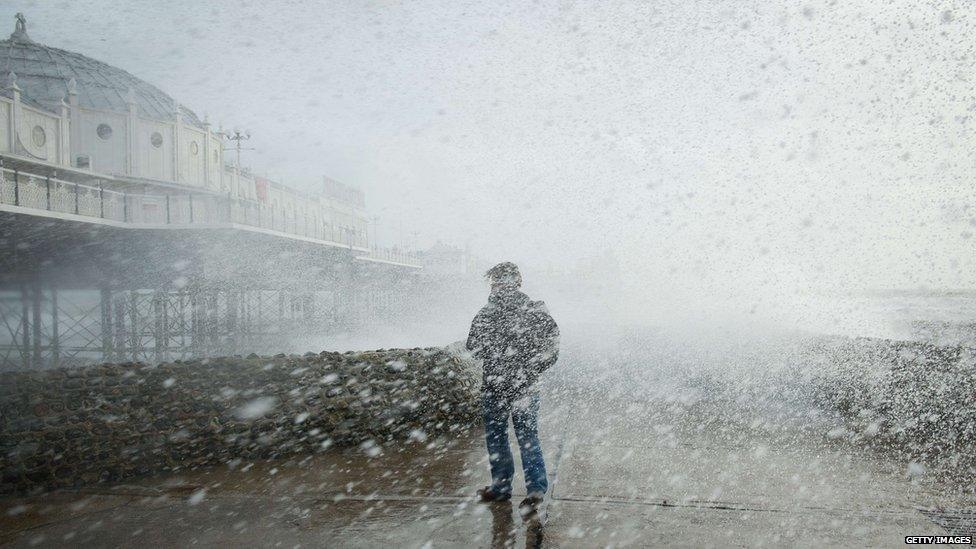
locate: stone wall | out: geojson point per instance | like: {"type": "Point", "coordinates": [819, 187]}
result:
{"type": "Point", "coordinates": [914, 400]}
{"type": "Point", "coordinates": [107, 422]}
{"type": "Point", "coordinates": [911, 401]}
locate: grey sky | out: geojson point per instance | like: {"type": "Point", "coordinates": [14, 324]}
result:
{"type": "Point", "coordinates": [714, 146]}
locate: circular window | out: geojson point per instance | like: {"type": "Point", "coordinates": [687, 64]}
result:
{"type": "Point", "coordinates": [104, 131]}
{"type": "Point", "coordinates": [156, 139]}
{"type": "Point", "coordinates": [194, 148]}
{"type": "Point", "coordinates": [38, 136]}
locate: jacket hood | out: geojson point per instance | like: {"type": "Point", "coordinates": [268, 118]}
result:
{"type": "Point", "coordinates": [508, 297]}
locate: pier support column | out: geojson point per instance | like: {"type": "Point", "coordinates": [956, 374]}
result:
{"type": "Point", "coordinates": [37, 328]}
{"type": "Point", "coordinates": [107, 333]}
{"type": "Point", "coordinates": [55, 335]}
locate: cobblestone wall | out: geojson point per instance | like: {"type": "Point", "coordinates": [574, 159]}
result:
{"type": "Point", "coordinates": [912, 399]}
{"type": "Point", "coordinates": [106, 422]}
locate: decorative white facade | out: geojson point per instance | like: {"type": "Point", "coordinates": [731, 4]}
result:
{"type": "Point", "coordinates": [62, 109]}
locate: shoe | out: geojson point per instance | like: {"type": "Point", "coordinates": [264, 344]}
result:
{"type": "Point", "coordinates": [488, 495]}
{"type": "Point", "coordinates": [530, 505]}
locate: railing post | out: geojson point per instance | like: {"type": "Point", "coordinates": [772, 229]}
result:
{"type": "Point", "coordinates": [190, 198]}
{"type": "Point", "coordinates": [125, 208]}
{"type": "Point", "coordinates": [167, 209]}
{"type": "Point", "coordinates": [47, 180]}
{"type": "Point", "coordinates": [101, 200]}
{"type": "Point", "coordinates": [76, 199]}
{"type": "Point", "coordinates": [16, 187]}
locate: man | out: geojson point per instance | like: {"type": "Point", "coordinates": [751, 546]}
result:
{"type": "Point", "coordinates": [517, 340]}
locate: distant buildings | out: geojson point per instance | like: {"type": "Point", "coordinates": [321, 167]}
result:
{"type": "Point", "coordinates": [446, 260]}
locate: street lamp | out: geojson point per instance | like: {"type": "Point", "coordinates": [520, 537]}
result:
{"type": "Point", "coordinates": [238, 137]}
{"type": "Point", "coordinates": [376, 230]}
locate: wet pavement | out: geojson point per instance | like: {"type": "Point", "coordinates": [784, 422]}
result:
{"type": "Point", "coordinates": [622, 474]}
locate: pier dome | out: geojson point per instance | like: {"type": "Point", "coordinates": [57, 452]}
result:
{"type": "Point", "coordinates": [45, 75]}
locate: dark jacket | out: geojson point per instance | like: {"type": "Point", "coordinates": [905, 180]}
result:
{"type": "Point", "coordinates": [517, 340]}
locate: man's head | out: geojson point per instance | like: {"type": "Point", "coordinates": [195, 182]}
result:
{"type": "Point", "coordinates": [504, 275]}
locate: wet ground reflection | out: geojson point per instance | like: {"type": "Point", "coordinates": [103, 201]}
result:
{"type": "Point", "coordinates": [505, 528]}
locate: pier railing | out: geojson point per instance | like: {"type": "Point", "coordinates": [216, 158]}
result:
{"type": "Point", "coordinates": [43, 192]}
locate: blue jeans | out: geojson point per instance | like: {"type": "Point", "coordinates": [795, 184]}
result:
{"type": "Point", "coordinates": [525, 417]}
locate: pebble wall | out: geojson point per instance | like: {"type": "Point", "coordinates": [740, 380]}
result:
{"type": "Point", "coordinates": [107, 422]}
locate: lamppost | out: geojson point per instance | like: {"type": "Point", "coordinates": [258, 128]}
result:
{"type": "Point", "coordinates": [345, 233]}
{"type": "Point", "coordinates": [238, 137]}
{"type": "Point", "coordinates": [376, 231]}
